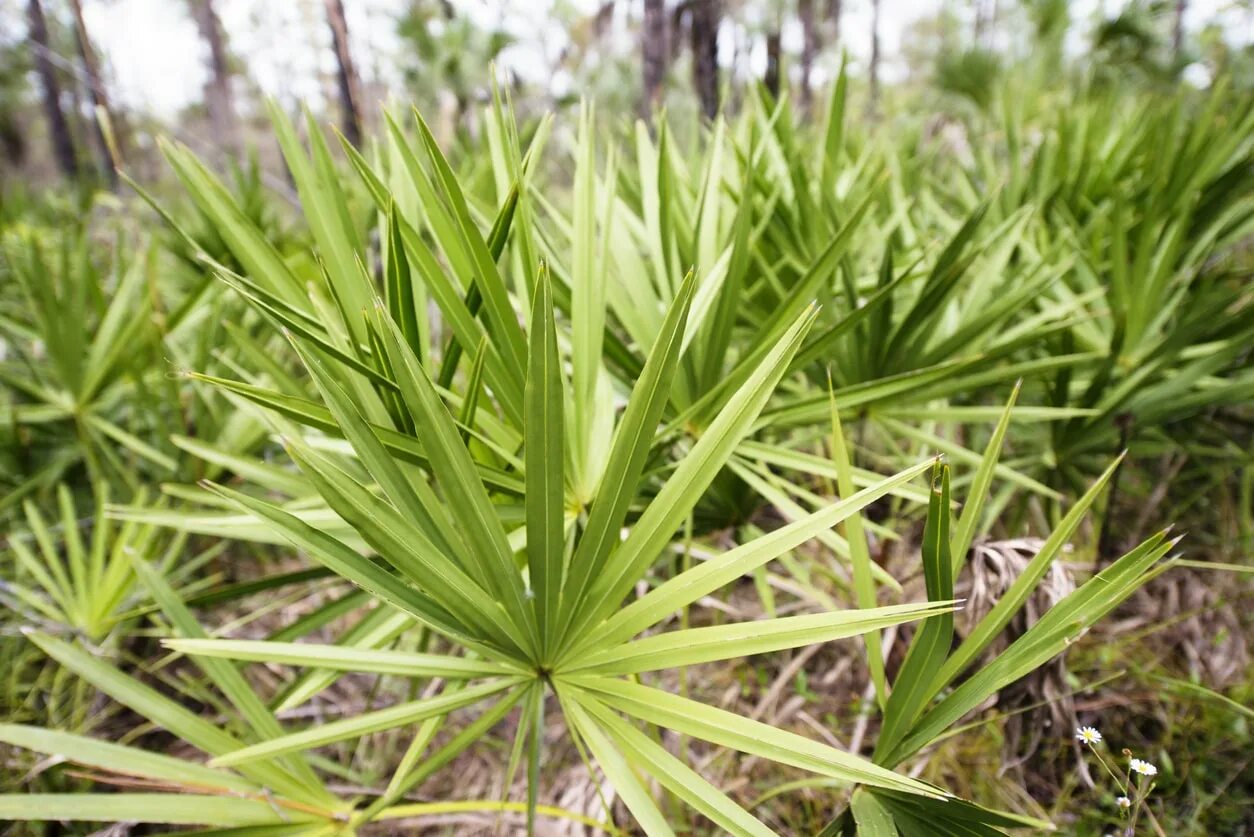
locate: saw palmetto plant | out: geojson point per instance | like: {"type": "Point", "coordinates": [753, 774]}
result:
{"type": "Point", "coordinates": [1151, 204]}
{"type": "Point", "coordinates": [71, 575]}
{"type": "Point", "coordinates": [534, 605]}
{"type": "Point", "coordinates": [66, 581]}
{"type": "Point", "coordinates": [83, 390]}
{"type": "Point", "coordinates": [509, 433]}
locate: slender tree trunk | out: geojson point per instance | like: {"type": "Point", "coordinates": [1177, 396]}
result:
{"type": "Point", "coordinates": [985, 23]}
{"type": "Point", "coordinates": [98, 96]}
{"type": "Point", "coordinates": [218, 98]}
{"type": "Point", "coordinates": [1177, 29]}
{"type": "Point", "coordinates": [58, 128]}
{"type": "Point", "coordinates": [875, 56]}
{"type": "Point", "coordinates": [349, 83]}
{"type": "Point", "coordinates": [809, 48]}
{"type": "Point", "coordinates": [703, 32]}
{"type": "Point", "coordinates": [654, 52]}
{"type": "Point", "coordinates": [675, 44]}
{"type": "Point", "coordinates": [771, 79]}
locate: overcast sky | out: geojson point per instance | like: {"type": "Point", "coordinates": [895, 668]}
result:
{"type": "Point", "coordinates": [285, 43]}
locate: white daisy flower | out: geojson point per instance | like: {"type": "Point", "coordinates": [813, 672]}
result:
{"type": "Point", "coordinates": [1143, 767]}
{"type": "Point", "coordinates": [1088, 735]}
{"type": "Point", "coordinates": [1123, 802]}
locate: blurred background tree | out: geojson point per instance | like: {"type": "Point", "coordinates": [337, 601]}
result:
{"type": "Point", "coordinates": [218, 95]}
{"type": "Point", "coordinates": [62, 61]}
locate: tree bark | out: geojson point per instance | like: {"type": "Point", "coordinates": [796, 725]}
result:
{"type": "Point", "coordinates": [98, 96]}
{"type": "Point", "coordinates": [678, 27]}
{"type": "Point", "coordinates": [771, 79]}
{"type": "Point", "coordinates": [654, 52]}
{"type": "Point", "coordinates": [873, 104]}
{"type": "Point", "coordinates": [1177, 29]}
{"type": "Point", "coordinates": [980, 26]}
{"type": "Point", "coordinates": [349, 83]}
{"type": "Point", "coordinates": [703, 33]}
{"type": "Point", "coordinates": [809, 48]}
{"type": "Point", "coordinates": [58, 128]}
{"type": "Point", "coordinates": [218, 98]}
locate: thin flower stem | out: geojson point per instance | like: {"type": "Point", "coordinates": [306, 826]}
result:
{"type": "Point", "coordinates": [1141, 794]}
{"type": "Point", "coordinates": [1123, 786]}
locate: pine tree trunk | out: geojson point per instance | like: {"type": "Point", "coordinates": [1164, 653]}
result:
{"type": "Point", "coordinates": [58, 128]}
{"type": "Point", "coordinates": [703, 33]}
{"type": "Point", "coordinates": [654, 51]}
{"type": "Point", "coordinates": [97, 95]}
{"type": "Point", "coordinates": [349, 83]}
{"type": "Point", "coordinates": [874, 101]}
{"type": "Point", "coordinates": [218, 98]}
{"type": "Point", "coordinates": [1177, 30]}
{"type": "Point", "coordinates": [809, 48]}
{"type": "Point", "coordinates": [771, 78]}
